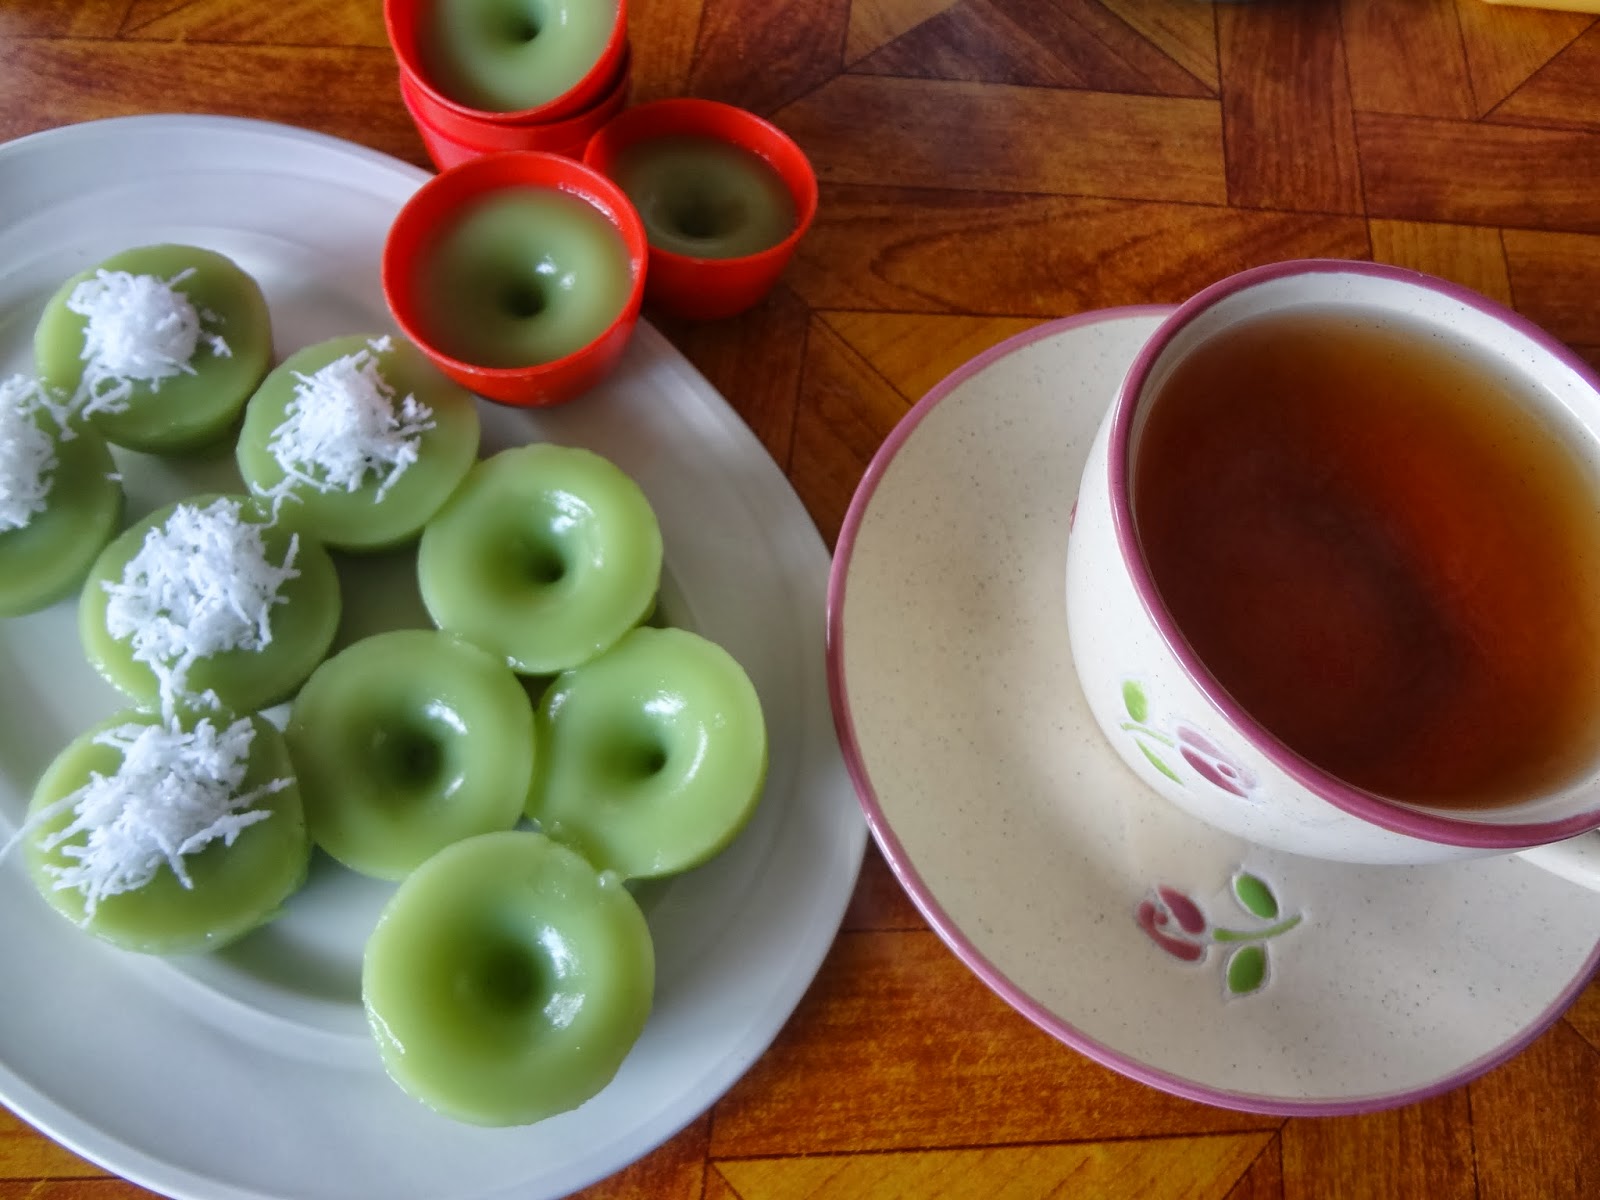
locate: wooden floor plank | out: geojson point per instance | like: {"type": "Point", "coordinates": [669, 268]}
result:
{"type": "Point", "coordinates": [914, 351]}
{"type": "Point", "coordinates": [773, 335]}
{"type": "Point", "coordinates": [329, 90]}
{"type": "Point", "coordinates": [84, 19]}
{"type": "Point", "coordinates": [75, 1189]}
{"type": "Point", "coordinates": [932, 133]}
{"type": "Point", "coordinates": [1050, 43]}
{"type": "Point", "coordinates": [1516, 1128]}
{"type": "Point", "coordinates": [846, 410]}
{"type": "Point", "coordinates": [1186, 32]}
{"type": "Point", "coordinates": [1555, 278]}
{"type": "Point", "coordinates": [1584, 1015]}
{"type": "Point", "coordinates": [1407, 60]}
{"type": "Point", "coordinates": [287, 22]}
{"type": "Point", "coordinates": [761, 54]}
{"type": "Point", "coordinates": [879, 902]}
{"type": "Point", "coordinates": [900, 1046]}
{"type": "Point", "coordinates": [25, 1155]}
{"type": "Point", "coordinates": [1039, 256]}
{"type": "Point", "coordinates": [1562, 92]}
{"type": "Point", "coordinates": [662, 35]}
{"type": "Point", "coordinates": [1420, 1152]}
{"type": "Point", "coordinates": [1264, 1179]}
{"type": "Point", "coordinates": [1158, 1169]}
{"type": "Point", "coordinates": [876, 23]}
{"type": "Point", "coordinates": [676, 1171]}
{"type": "Point", "coordinates": [142, 12]}
{"type": "Point", "coordinates": [972, 41]}
{"type": "Point", "coordinates": [1291, 142]}
{"type": "Point", "coordinates": [1470, 255]}
{"type": "Point", "coordinates": [1505, 46]}
{"type": "Point", "coordinates": [1529, 178]}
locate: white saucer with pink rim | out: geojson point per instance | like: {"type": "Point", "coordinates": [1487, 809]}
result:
{"type": "Point", "coordinates": [1191, 960]}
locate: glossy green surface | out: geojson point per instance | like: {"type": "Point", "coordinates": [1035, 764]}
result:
{"type": "Point", "coordinates": [186, 412]}
{"type": "Point", "coordinates": [652, 757]}
{"type": "Point", "coordinates": [523, 276]}
{"type": "Point", "coordinates": [506, 981]}
{"type": "Point", "coordinates": [406, 742]}
{"type": "Point", "coordinates": [47, 559]}
{"type": "Point", "coordinates": [358, 520]}
{"type": "Point", "coordinates": [507, 55]}
{"type": "Point", "coordinates": [704, 198]}
{"type": "Point", "coordinates": [236, 888]}
{"type": "Point", "coordinates": [545, 555]}
{"type": "Point", "coordinates": [244, 680]}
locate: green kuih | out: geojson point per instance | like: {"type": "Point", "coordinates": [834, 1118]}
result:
{"type": "Point", "coordinates": [159, 347]}
{"type": "Point", "coordinates": [704, 198]}
{"type": "Point", "coordinates": [46, 559]}
{"type": "Point", "coordinates": [545, 555]}
{"type": "Point", "coordinates": [506, 980]}
{"type": "Point", "coordinates": [652, 757]}
{"type": "Point", "coordinates": [358, 441]}
{"type": "Point", "coordinates": [508, 55]}
{"type": "Point", "coordinates": [112, 877]}
{"type": "Point", "coordinates": [174, 607]}
{"type": "Point", "coordinates": [523, 276]}
{"type": "Point", "coordinates": [406, 742]}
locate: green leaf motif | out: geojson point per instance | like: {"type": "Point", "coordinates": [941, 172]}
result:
{"type": "Point", "coordinates": [1247, 970]}
{"type": "Point", "coordinates": [1156, 762]}
{"type": "Point", "coordinates": [1134, 700]}
{"type": "Point", "coordinates": [1255, 896]}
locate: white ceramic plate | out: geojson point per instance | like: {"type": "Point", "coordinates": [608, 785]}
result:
{"type": "Point", "coordinates": [250, 1074]}
{"type": "Point", "coordinates": [1036, 854]}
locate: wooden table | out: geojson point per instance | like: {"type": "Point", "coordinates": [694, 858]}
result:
{"type": "Point", "coordinates": [987, 164]}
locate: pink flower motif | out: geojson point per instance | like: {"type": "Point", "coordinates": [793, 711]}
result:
{"type": "Point", "coordinates": [1174, 922]}
{"type": "Point", "coordinates": [1220, 770]}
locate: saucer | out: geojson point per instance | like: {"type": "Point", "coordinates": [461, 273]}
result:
{"type": "Point", "coordinates": [1180, 956]}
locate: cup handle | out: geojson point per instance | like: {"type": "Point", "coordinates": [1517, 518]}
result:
{"type": "Point", "coordinates": [1576, 859]}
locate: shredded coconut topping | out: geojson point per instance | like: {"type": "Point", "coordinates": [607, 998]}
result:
{"type": "Point", "coordinates": [200, 584]}
{"type": "Point", "coordinates": [140, 329]}
{"type": "Point", "coordinates": [344, 425]}
{"type": "Point", "coordinates": [27, 453]}
{"type": "Point", "coordinates": [175, 793]}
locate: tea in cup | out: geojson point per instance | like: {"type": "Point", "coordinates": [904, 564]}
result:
{"type": "Point", "coordinates": [1333, 583]}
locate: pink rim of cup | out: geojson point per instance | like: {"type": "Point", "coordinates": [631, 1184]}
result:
{"type": "Point", "coordinates": [417, 228]}
{"type": "Point", "coordinates": [710, 288]}
{"type": "Point", "coordinates": [1433, 826]}
{"type": "Point", "coordinates": [401, 20]}
{"type": "Point", "coordinates": [452, 139]}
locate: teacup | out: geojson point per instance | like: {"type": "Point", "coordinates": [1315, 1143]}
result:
{"type": "Point", "coordinates": [1410, 679]}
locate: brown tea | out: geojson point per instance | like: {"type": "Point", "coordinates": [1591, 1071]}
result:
{"type": "Point", "coordinates": [1381, 554]}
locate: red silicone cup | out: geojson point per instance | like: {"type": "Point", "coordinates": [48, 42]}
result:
{"type": "Point", "coordinates": [708, 288]}
{"type": "Point", "coordinates": [453, 142]}
{"type": "Point", "coordinates": [431, 211]}
{"type": "Point", "coordinates": [402, 19]}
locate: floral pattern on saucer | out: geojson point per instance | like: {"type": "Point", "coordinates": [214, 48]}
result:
{"type": "Point", "coordinates": [1173, 921]}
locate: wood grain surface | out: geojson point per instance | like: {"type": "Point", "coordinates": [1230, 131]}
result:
{"type": "Point", "coordinates": [984, 165]}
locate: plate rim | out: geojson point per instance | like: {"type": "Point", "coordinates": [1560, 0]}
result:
{"type": "Point", "coordinates": [922, 895]}
{"type": "Point", "coordinates": [814, 740]}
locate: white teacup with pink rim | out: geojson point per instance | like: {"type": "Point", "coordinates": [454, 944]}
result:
{"type": "Point", "coordinates": [1333, 581]}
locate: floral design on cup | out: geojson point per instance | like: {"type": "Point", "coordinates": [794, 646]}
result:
{"type": "Point", "coordinates": [1214, 765]}
{"type": "Point", "coordinates": [1203, 757]}
{"type": "Point", "coordinates": [1178, 925]}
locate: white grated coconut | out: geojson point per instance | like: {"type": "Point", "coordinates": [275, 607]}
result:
{"type": "Point", "coordinates": [174, 793]}
{"type": "Point", "coordinates": [27, 453]}
{"type": "Point", "coordinates": [199, 585]}
{"type": "Point", "coordinates": [344, 425]}
{"type": "Point", "coordinates": [140, 329]}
